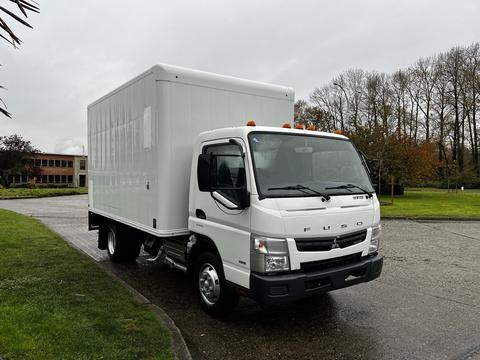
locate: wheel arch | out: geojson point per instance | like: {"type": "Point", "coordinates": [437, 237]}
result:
{"type": "Point", "coordinates": [202, 244]}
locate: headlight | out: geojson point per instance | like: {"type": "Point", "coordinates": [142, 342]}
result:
{"type": "Point", "coordinates": [375, 241]}
{"type": "Point", "coordinates": [269, 254]}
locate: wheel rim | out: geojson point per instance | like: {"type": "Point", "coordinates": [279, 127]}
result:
{"type": "Point", "coordinates": [209, 284]}
{"type": "Point", "coordinates": [112, 242]}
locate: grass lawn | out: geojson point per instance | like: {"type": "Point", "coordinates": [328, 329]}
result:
{"type": "Point", "coordinates": [13, 193]}
{"type": "Point", "coordinates": [434, 203]}
{"type": "Point", "coordinates": [55, 303]}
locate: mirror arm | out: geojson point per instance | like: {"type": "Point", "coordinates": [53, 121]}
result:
{"type": "Point", "coordinates": [224, 201]}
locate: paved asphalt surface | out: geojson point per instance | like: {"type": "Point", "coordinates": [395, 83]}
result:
{"type": "Point", "coordinates": [426, 304]}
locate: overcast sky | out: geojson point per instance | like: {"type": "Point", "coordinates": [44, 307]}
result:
{"type": "Point", "coordinates": [80, 50]}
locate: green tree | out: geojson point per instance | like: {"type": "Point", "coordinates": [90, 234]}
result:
{"type": "Point", "coordinates": [16, 156]}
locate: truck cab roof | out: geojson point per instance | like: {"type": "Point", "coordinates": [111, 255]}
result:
{"type": "Point", "coordinates": [243, 131]}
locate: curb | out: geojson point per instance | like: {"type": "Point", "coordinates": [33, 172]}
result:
{"type": "Point", "coordinates": [429, 218]}
{"type": "Point", "coordinates": [179, 346]}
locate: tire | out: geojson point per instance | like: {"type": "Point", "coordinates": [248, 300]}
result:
{"type": "Point", "coordinates": [216, 297]}
{"type": "Point", "coordinates": [121, 247]}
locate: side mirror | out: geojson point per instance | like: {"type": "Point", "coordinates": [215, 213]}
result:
{"type": "Point", "coordinates": [372, 166]}
{"type": "Point", "coordinates": [204, 172]}
{"type": "Point", "coordinates": [233, 197]}
{"type": "Point", "coordinates": [244, 199]}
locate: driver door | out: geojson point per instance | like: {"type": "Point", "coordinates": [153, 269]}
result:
{"type": "Point", "coordinates": [228, 228]}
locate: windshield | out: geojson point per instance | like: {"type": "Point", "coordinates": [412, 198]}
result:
{"type": "Point", "coordinates": [301, 165]}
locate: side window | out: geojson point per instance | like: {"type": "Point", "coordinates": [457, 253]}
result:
{"type": "Point", "coordinates": [228, 169]}
{"type": "Point", "coordinates": [228, 166]}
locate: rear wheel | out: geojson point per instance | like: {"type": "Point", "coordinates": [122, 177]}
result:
{"type": "Point", "coordinates": [121, 246]}
{"type": "Point", "coordinates": [215, 296]}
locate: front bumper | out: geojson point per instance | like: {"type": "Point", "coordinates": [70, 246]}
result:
{"type": "Point", "coordinates": [294, 286]}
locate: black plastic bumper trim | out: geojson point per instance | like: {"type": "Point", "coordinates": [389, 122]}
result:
{"type": "Point", "coordinates": [294, 286]}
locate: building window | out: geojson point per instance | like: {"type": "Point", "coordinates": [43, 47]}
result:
{"type": "Point", "coordinates": [57, 178]}
{"type": "Point", "coordinates": [70, 179]}
{"type": "Point", "coordinates": [44, 163]}
{"type": "Point", "coordinates": [82, 164]}
{"type": "Point", "coordinates": [44, 179]}
{"type": "Point", "coordinates": [51, 163]}
{"type": "Point", "coordinates": [70, 164]}
{"type": "Point", "coordinates": [38, 162]}
{"type": "Point", "coordinates": [64, 163]}
{"type": "Point", "coordinates": [57, 163]}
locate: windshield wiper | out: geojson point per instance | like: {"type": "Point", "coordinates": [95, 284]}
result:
{"type": "Point", "coordinates": [301, 188]}
{"type": "Point", "coordinates": [351, 186]}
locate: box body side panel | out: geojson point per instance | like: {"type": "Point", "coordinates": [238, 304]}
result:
{"type": "Point", "coordinates": [123, 153]}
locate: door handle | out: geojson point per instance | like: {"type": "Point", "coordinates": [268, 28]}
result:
{"type": "Point", "coordinates": [200, 214]}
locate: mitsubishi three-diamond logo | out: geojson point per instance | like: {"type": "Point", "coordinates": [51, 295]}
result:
{"type": "Point", "coordinates": [335, 244]}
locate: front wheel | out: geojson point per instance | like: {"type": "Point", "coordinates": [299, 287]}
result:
{"type": "Point", "coordinates": [215, 296]}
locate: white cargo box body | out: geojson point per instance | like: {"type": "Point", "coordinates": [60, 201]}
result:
{"type": "Point", "coordinates": [140, 139]}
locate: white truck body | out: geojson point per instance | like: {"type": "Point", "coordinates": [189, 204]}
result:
{"type": "Point", "coordinates": [274, 213]}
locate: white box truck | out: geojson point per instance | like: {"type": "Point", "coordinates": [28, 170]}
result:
{"type": "Point", "coordinates": [274, 213]}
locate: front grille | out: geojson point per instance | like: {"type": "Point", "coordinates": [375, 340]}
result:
{"type": "Point", "coordinates": [330, 263]}
{"type": "Point", "coordinates": [327, 243]}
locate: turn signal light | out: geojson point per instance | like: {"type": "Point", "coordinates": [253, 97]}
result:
{"type": "Point", "coordinates": [311, 127]}
{"type": "Point", "coordinates": [299, 126]}
{"type": "Point", "coordinates": [338, 132]}
{"type": "Point", "coordinates": [251, 123]}
{"type": "Point", "coordinates": [286, 126]}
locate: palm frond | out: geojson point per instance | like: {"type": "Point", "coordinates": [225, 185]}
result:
{"type": "Point", "coordinates": [7, 40]}
{"type": "Point", "coordinates": [16, 17]}
{"type": "Point", "coordinates": [15, 38]}
{"type": "Point", "coordinates": [9, 36]}
{"type": "Point", "coordinates": [24, 5]}
{"type": "Point", "coordinates": [3, 109]}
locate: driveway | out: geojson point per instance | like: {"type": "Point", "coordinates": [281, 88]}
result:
{"type": "Point", "coordinates": [426, 304]}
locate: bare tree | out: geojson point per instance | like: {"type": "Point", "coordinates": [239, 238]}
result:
{"type": "Point", "coordinates": [424, 74]}
{"type": "Point", "coordinates": [431, 105]}
{"type": "Point", "coordinates": [441, 107]}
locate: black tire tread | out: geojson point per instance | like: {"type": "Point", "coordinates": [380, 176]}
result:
{"type": "Point", "coordinates": [127, 248]}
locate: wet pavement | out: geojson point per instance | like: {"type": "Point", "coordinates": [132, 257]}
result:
{"type": "Point", "coordinates": [425, 305]}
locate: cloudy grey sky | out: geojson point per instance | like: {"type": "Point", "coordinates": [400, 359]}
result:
{"type": "Point", "coordinates": [80, 50]}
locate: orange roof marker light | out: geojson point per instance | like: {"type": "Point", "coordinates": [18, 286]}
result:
{"type": "Point", "coordinates": [338, 132]}
{"type": "Point", "coordinates": [251, 123]}
{"type": "Point", "coordinates": [311, 127]}
{"type": "Point", "coordinates": [299, 126]}
{"type": "Point", "coordinates": [287, 126]}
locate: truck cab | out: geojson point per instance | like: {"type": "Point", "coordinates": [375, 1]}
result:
{"type": "Point", "coordinates": [288, 214]}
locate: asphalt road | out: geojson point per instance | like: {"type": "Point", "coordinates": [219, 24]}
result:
{"type": "Point", "coordinates": [426, 304]}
